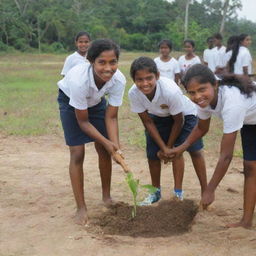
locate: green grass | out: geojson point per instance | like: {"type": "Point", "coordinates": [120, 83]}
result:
{"type": "Point", "coordinates": [28, 93]}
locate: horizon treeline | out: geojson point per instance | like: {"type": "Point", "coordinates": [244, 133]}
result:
{"type": "Point", "coordinates": [51, 25]}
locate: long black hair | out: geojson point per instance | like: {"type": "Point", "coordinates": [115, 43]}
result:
{"type": "Point", "coordinates": [235, 50]}
{"type": "Point", "coordinates": [203, 74]}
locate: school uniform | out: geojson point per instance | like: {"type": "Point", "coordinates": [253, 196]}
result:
{"type": "Point", "coordinates": [237, 112]}
{"type": "Point", "coordinates": [77, 90]}
{"type": "Point", "coordinates": [167, 68]}
{"type": "Point", "coordinates": [186, 64]}
{"type": "Point", "coordinates": [71, 61]}
{"type": "Point", "coordinates": [219, 56]}
{"type": "Point", "coordinates": [168, 101]}
{"type": "Point", "coordinates": [208, 57]}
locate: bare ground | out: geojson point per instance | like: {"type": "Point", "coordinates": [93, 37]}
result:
{"type": "Point", "coordinates": [36, 206]}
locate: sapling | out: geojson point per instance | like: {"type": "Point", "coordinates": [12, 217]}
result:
{"type": "Point", "coordinates": [134, 187]}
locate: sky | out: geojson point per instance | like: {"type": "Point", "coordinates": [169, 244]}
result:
{"type": "Point", "coordinates": [249, 10]}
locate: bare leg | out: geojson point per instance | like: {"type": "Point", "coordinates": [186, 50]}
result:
{"type": "Point", "coordinates": [197, 158]}
{"type": "Point", "coordinates": [155, 172]}
{"type": "Point", "coordinates": [178, 172]}
{"type": "Point", "coordinates": [77, 181]}
{"type": "Point", "coordinates": [105, 166]}
{"type": "Point", "coordinates": [249, 195]}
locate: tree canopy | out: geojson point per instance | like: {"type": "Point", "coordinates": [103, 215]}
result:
{"type": "Point", "coordinates": [51, 25]}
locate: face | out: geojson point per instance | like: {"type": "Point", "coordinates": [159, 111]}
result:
{"type": "Point", "coordinates": [82, 44]}
{"type": "Point", "coordinates": [188, 48]}
{"type": "Point", "coordinates": [202, 94]}
{"type": "Point", "coordinates": [210, 43]}
{"type": "Point", "coordinates": [105, 66]}
{"type": "Point", "coordinates": [247, 41]}
{"type": "Point", "coordinates": [217, 42]}
{"type": "Point", "coordinates": [164, 50]}
{"type": "Point", "coordinates": [146, 81]}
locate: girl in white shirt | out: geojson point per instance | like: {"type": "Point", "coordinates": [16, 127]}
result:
{"type": "Point", "coordinates": [235, 103]}
{"type": "Point", "coordinates": [166, 64]}
{"type": "Point", "coordinates": [82, 42]}
{"type": "Point", "coordinates": [168, 116]}
{"type": "Point", "coordinates": [189, 59]}
{"type": "Point", "coordinates": [86, 117]}
{"type": "Point", "coordinates": [240, 61]}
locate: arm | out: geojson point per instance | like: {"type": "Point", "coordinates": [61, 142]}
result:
{"type": "Point", "coordinates": [112, 124]}
{"type": "Point", "coordinates": [177, 78]}
{"type": "Point", "coordinates": [198, 132]}
{"type": "Point", "coordinates": [90, 130]}
{"type": "Point", "coordinates": [226, 154]}
{"type": "Point", "coordinates": [176, 128]}
{"type": "Point", "coordinates": [152, 130]}
{"type": "Point", "coordinates": [245, 70]}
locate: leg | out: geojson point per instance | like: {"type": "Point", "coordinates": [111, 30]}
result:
{"type": "Point", "coordinates": [105, 166]}
{"type": "Point", "coordinates": [249, 195]}
{"type": "Point", "coordinates": [178, 172]}
{"type": "Point", "coordinates": [199, 166]}
{"type": "Point", "coordinates": [155, 172]}
{"type": "Point", "coordinates": [77, 181]}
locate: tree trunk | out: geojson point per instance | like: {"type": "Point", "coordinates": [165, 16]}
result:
{"type": "Point", "coordinates": [225, 9]}
{"type": "Point", "coordinates": [38, 35]}
{"type": "Point", "coordinates": [186, 20]}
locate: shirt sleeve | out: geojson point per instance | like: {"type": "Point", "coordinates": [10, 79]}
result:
{"type": "Point", "coordinates": [66, 66]}
{"type": "Point", "coordinates": [176, 67]}
{"type": "Point", "coordinates": [246, 60]}
{"type": "Point", "coordinates": [175, 103]}
{"type": "Point", "coordinates": [116, 93]}
{"type": "Point", "coordinates": [135, 104]}
{"type": "Point", "coordinates": [203, 114]}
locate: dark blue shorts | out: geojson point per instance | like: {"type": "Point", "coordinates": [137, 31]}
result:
{"type": "Point", "coordinates": [164, 126]}
{"type": "Point", "coordinates": [74, 136]}
{"type": "Point", "coordinates": [248, 135]}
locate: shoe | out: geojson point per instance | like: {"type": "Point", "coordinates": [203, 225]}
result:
{"type": "Point", "coordinates": [178, 195]}
{"type": "Point", "coordinates": [151, 198]}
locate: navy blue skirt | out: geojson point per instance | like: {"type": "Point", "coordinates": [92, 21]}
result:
{"type": "Point", "coordinates": [74, 136]}
{"type": "Point", "coordinates": [164, 126]}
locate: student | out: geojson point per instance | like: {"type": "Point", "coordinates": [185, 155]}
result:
{"type": "Point", "coordinates": [240, 61]}
{"type": "Point", "coordinates": [208, 57]}
{"type": "Point", "coordinates": [219, 52]}
{"type": "Point", "coordinates": [86, 117]}
{"type": "Point", "coordinates": [82, 42]}
{"type": "Point", "coordinates": [230, 45]}
{"type": "Point", "coordinates": [166, 64]}
{"type": "Point", "coordinates": [235, 103]}
{"type": "Point", "coordinates": [189, 59]}
{"type": "Point", "coordinates": [163, 108]}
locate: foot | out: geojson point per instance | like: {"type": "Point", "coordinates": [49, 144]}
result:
{"type": "Point", "coordinates": [107, 201]}
{"type": "Point", "coordinates": [151, 198]}
{"type": "Point", "coordinates": [239, 224]}
{"type": "Point", "coordinates": [178, 195]}
{"type": "Point", "coordinates": [81, 217]}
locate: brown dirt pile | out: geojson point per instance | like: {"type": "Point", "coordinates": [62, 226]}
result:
{"type": "Point", "coordinates": [165, 219]}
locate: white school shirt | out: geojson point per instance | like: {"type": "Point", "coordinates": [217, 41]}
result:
{"type": "Point", "coordinates": [80, 87]}
{"type": "Point", "coordinates": [168, 100]}
{"type": "Point", "coordinates": [208, 57]}
{"type": "Point", "coordinates": [233, 107]}
{"type": "Point", "coordinates": [71, 61]}
{"type": "Point", "coordinates": [227, 57]}
{"type": "Point", "coordinates": [186, 64]}
{"type": "Point", "coordinates": [244, 59]}
{"type": "Point", "coordinates": [219, 56]}
{"type": "Point", "coordinates": [167, 68]}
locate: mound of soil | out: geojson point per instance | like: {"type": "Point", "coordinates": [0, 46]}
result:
{"type": "Point", "coordinates": [167, 218]}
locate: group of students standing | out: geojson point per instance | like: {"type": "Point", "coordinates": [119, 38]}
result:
{"type": "Point", "coordinates": [173, 122]}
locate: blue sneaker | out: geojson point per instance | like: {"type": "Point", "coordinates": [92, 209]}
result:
{"type": "Point", "coordinates": [178, 194]}
{"type": "Point", "coordinates": [151, 198]}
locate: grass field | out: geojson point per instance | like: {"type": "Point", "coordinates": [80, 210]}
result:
{"type": "Point", "coordinates": [28, 104]}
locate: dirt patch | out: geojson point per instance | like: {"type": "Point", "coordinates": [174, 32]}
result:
{"type": "Point", "coordinates": [165, 219]}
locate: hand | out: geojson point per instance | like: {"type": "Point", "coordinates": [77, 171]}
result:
{"type": "Point", "coordinates": [162, 156]}
{"type": "Point", "coordinates": [207, 198]}
{"type": "Point", "coordinates": [119, 158]}
{"type": "Point", "coordinates": [110, 147]}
